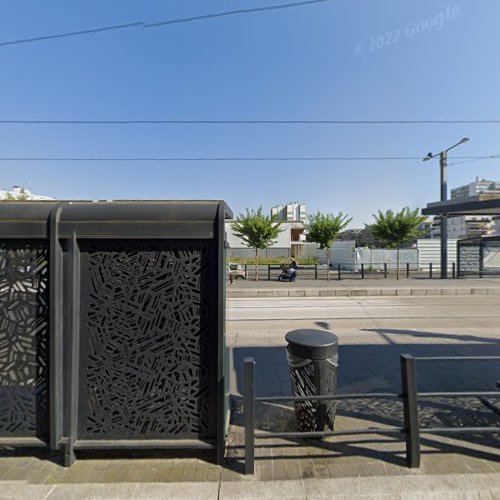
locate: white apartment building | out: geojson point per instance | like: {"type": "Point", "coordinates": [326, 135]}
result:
{"type": "Point", "coordinates": [290, 212]}
{"type": "Point", "coordinates": [20, 193]}
{"type": "Point", "coordinates": [470, 226]}
{"type": "Point", "coordinates": [479, 186]}
{"type": "Point", "coordinates": [467, 226]}
{"type": "Point", "coordinates": [427, 227]}
{"type": "Point", "coordinates": [289, 242]}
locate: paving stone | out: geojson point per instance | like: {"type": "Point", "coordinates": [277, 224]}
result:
{"type": "Point", "coordinates": [176, 491]}
{"type": "Point", "coordinates": [320, 468]}
{"type": "Point", "coordinates": [264, 471]}
{"type": "Point", "coordinates": [214, 473]}
{"type": "Point", "coordinates": [201, 474]}
{"type": "Point", "coordinates": [290, 490]}
{"type": "Point", "coordinates": [181, 470]}
{"type": "Point", "coordinates": [92, 491]}
{"type": "Point", "coordinates": [373, 468]}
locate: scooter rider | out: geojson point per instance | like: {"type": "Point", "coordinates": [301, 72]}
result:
{"type": "Point", "coordinates": [293, 266]}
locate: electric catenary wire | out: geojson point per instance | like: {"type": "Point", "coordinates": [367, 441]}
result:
{"type": "Point", "coordinates": [479, 158]}
{"type": "Point", "coordinates": [164, 23]}
{"type": "Point", "coordinates": [244, 122]}
{"type": "Point", "coordinates": [225, 158]}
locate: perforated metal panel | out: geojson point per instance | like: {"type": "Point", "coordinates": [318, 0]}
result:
{"type": "Point", "coordinates": [469, 259]}
{"type": "Point", "coordinates": [491, 257]}
{"type": "Point", "coordinates": [479, 256]}
{"type": "Point", "coordinates": [148, 339]}
{"type": "Point", "coordinates": [24, 336]}
{"type": "Point", "coordinates": [313, 377]}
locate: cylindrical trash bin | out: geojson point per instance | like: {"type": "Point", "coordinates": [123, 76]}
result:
{"type": "Point", "coordinates": [313, 361]}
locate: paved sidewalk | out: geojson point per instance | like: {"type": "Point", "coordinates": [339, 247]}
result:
{"type": "Point", "coordinates": [373, 332]}
{"type": "Point", "coordinates": [364, 287]}
{"type": "Point", "coordinates": [442, 486]}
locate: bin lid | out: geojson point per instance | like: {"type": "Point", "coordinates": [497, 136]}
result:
{"type": "Point", "coordinates": [312, 344]}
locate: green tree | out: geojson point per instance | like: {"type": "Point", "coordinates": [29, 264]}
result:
{"type": "Point", "coordinates": [257, 231]}
{"type": "Point", "coordinates": [324, 229]}
{"type": "Point", "coordinates": [395, 229]}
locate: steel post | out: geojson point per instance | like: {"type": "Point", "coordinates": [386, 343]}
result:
{"type": "Point", "coordinates": [249, 401]}
{"type": "Point", "coordinates": [481, 258]}
{"type": "Point", "coordinates": [443, 163]}
{"type": "Point", "coordinates": [410, 402]}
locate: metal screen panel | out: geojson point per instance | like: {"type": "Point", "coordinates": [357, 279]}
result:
{"type": "Point", "coordinates": [491, 257]}
{"type": "Point", "coordinates": [24, 338]}
{"type": "Point", "coordinates": [479, 256]}
{"type": "Point", "coordinates": [148, 339]}
{"type": "Point", "coordinates": [469, 257]}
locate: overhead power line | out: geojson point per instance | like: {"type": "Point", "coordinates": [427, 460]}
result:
{"type": "Point", "coordinates": [244, 122]}
{"type": "Point", "coordinates": [221, 159]}
{"type": "Point", "coordinates": [479, 158]}
{"type": "Point", "coordinates": [71, 34]}
{"type": "Point", "coordinates": [235, 12]}
{"type": "Point", "coordinates": [164, 23]}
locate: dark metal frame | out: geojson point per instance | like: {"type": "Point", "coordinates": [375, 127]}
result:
{"type": "Point", "coordinates": [64, 224]}
{"type": "Point", "coordinates": [409, 396]}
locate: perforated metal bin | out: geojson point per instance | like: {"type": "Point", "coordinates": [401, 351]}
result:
{"type": "Point", "coordinates": [313, 361]}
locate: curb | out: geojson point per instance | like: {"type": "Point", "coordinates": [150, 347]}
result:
{"type": "Point", "coordinates": [359, 292]}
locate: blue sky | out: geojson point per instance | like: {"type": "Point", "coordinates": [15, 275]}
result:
{"type": "Point", "coordinates": [312, 62]}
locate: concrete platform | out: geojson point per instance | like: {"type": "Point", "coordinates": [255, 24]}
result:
{"type": "Point", "coordinates": [373, 332]}
{"type": "Point", "coordinates": [364, 287]}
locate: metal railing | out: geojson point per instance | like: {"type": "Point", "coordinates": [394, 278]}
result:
{"type": "Point", "coordinates": [319, 271]}
{"type": "Point", "coordinates": [409, 397]}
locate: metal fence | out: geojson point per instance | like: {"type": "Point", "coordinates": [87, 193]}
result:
{"type": "Point", "coordinates": [479, 257]}
{"type": "Point", "coordinates": [271, 272]}
{"type": "Point", "coordinates": [411, 429]}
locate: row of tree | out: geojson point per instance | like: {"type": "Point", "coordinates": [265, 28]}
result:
{"type": "Point", "coordinates": [392, 229]}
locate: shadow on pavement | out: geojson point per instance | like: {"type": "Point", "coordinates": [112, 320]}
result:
{"type": "Point", "coordinates": [376, 368]}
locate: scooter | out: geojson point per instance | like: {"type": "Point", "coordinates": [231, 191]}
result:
{"type": "Point", "coordinates": [287, 274]}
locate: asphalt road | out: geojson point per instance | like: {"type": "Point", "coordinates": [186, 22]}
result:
{"type": "Point", "coordinates": [268, 319]}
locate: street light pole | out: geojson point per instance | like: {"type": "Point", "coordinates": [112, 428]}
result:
{"type": "Point", "coordinates": [443, 164]}
{"type": "Point", "coordinates": [443, 167]}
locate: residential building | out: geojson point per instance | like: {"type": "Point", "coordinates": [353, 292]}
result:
{"type": "Point", "coordinates": [293, 216]}
{"type": "Point", "coordinates": [470, 226]}
{"type": "Point", "coordinates": [426, 228]}
{"type": "Point", "coordinates": [290, 212]}
{"type": "Point", "coordinates": [479, 186]}
{"type": "Point", "coordinates": [285, 246]}
{"type": "Point", "coordinates": [363, 237]}
{"type": "Point", "coordinates": [467, 226]}
{"type": "Point", "coordinates": [291, 240]}
{"type": "Point", "coordinates": [20, 193]}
